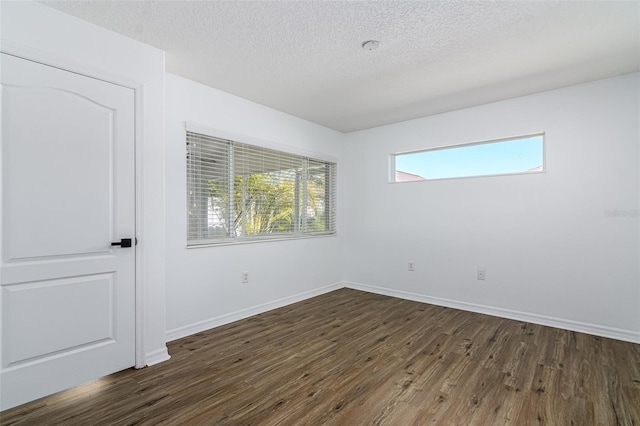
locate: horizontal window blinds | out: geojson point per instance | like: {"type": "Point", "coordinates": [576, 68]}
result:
{"type": "Point", "coordinates": [238, 192]}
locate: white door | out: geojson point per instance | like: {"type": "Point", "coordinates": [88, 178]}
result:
{"type": "Point", "coordinates": [67, 295]}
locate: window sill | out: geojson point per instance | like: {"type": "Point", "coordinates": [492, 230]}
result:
{"type": "Point", "coordinates": [241, 241]}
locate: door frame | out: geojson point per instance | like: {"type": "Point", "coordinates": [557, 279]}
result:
{"type": "Point", "coordinates": [138, 87]}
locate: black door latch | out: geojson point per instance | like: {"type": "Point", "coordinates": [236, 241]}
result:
{"type": "Point", "coordinates": [125, 242]}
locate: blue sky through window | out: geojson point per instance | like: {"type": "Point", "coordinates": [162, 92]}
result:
{"type": "Point", "coordinates": [492, 158]}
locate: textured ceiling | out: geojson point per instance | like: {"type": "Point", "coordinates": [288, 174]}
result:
{"type": "Point", "coordinates": [305, 57]}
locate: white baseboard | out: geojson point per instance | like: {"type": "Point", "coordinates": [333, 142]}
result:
{"type": "Point", "coordinates": [157, 356]}
{"type": "Point", "coordinates": [190, 329]}
{"type": "Point", "coordinates": [582, 327]}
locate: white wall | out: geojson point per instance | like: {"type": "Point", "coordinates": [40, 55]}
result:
{"type": "Point", "coordinates": [37, 32]}
{"type": "Point", "coordinates": [551, 254]}
{"type": "Point", "coordinates": [204, 287]}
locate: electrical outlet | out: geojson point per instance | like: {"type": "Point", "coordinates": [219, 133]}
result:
{"type": "Point", "coordinates": [410, 267]}
{"type": "Point", "coordinates": [245, 277]}
{"type": "Point", "coordinates": [482, 274]}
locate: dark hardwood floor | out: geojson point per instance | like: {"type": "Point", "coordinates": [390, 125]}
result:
{"type": "Point", "coordinates": [351, 358]}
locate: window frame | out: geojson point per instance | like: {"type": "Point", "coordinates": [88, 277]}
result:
{"type": "Point", "coordinates": [392, 158]}
{"type": "Point", "coordinates": [307, 157]}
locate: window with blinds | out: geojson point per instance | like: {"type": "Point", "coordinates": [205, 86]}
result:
{"type": "Point", "coordinates": [238, 192]}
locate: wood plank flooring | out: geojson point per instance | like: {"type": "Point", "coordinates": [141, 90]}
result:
{"type": "Point", "coordinates": [355, 358]}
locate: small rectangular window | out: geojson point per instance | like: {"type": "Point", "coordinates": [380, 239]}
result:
{"type": "Point", "coordinates": [240, 192]}
{"type": "Point", "coordinates": [524, 154]}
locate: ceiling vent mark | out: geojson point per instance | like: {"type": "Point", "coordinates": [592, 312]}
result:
{"type": "Point", "coordinates": [370, 44]}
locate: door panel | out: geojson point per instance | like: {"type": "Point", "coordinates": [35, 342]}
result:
{"type": "Point", "coordinates": [38, 169]}
{"type": "Point", "coordinates": [31, 313]}
{"type": "Point", "coordinates": [67, 295]}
